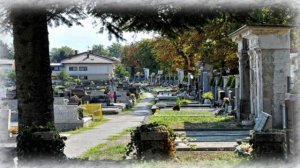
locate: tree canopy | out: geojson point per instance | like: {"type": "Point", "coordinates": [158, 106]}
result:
{"type": "Point", "coordinates": [115, 50]}
{"type": "Point", "coordinates": [58, 54]}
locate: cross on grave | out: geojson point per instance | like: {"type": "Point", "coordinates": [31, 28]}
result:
{"type": "Point", "coordinates": [262, 122]}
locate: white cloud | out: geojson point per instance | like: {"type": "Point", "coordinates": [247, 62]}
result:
{"type": "Point", "coordinates": [82, 37]}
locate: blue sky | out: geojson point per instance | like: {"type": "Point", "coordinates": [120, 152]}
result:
{"type": "Point", "coordinates": [80, 38]}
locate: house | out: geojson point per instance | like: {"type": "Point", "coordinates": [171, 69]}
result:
{"type": "Point", "coordinates": [7, 65]}
{"type": "Point", "coordinates": [56, 68]}
{"type": "Point", "coordinates": [89, 66]}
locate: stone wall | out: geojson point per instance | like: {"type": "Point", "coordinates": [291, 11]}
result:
{"type": "Point", "coordinates": [66, 117]}
{"type": "Point", "coordinates": [275, 69]}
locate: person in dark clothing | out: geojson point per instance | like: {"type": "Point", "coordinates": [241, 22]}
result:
{"type": "Point", "coordinates": [115, 97]}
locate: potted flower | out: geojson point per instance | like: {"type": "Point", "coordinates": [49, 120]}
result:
{"type": "Point", "coordinates": [207, 96]}
{"type": "Point", "coordinates": [176, 107]}
{"type": "Point", "coordinates": [179, 102]}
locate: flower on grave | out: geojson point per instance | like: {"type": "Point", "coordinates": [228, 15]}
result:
{"type": "Point", "coordinates": [244, 149]}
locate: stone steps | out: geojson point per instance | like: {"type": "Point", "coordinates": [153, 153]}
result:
{"type": "Point", "coordinates": [211, 140]}
{"type": "Point", "coordinates": [206, 146]}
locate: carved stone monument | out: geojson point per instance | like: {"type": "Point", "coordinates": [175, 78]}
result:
{"type": "Point", "coordinates": [265, 83]}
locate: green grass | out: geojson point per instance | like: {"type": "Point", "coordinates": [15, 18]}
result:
{"type": "Point", "coordinates": [127, 111]}
{"type": "Point", "coordinates": [175, 121]}
{"type": "Point", "coordinates": [92, 125]}
{"type": "Point", "coordinates": [195, 159]}
{"type": "Point", "coordinates": [184, 112]}
{"type": "Point", "coordinates": [200, 119]}
{"type": "Point", "coordinates": [142, 96]}
{"type": "Point", "coordinates": [105, 152]}
{"type": "Point", "coordinates": [119, 135]}
{"type": "Point", "coordinates": [112, 150]}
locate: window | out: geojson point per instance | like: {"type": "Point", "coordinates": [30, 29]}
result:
{"type": "Point", "coordinates": [72, 68]}
{"type": "Point", "coordinates": [56, 68]}
{"type": "Point", "coordinates": [83, 77]}
{"type": "Point", "coordinates": [82, 68]}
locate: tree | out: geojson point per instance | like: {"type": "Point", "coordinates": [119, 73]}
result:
{"type": "Point", "coordinates": [63, 75]}
{"type": "Point", "coordinates": [11, 52]}
{"type": "Point", "coordinates": [121, 71]}
{"type": "Point", "coordinates": [129, 58]}
{"type": "Point", "coordinates": [6, 51]}
{"type": "Point", "coordinates": [166, 55]}
{"type": "Point", "coordinates": [99, 50]}
{"type": "Point", "coordinates": [11, 75]}
{"type": "Point", "coordinates": [115, 50]}
{"type": "Point", "coordinates": [140, 55]}
{"type": "Point", "coordinates": [32, 58]}
{"type": "Point", "coordinates": [58, 54]}
{"type": "Point", "coordinates": [33, 72]}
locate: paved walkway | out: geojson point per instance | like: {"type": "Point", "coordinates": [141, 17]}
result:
{"type": "Point", "coordinates": [79, 143]}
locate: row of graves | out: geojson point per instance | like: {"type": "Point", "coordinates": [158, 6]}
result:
{"type": "Point", "coordinates": [74, 107]}
{"type": "Point", "coordinates": [260, 94]}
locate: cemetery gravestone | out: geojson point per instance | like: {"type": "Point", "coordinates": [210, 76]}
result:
{"type": "Point", "coordinates": [262, 122]}
{"type": "Point", "coordinates": [4, 125]}
{"type": "Point", "coordinates": [205, 82]}
{"type": "Point", "coordinates": [60, 101]}
{"type": "Point", "coordinates": [66, 117]}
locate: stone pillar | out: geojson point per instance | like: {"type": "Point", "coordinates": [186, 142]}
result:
{"type": "Point", "coordinates": [237, 96]}
{"type": "Point", "coordinates": [269, 50]}
{"type": "Point", "coordinates": [243, 102]}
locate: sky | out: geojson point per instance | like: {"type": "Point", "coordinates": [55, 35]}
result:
{"type": "Point", "coordinates": [83, 38]}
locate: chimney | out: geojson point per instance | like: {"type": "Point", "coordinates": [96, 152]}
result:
{"type": "Point", "coordinates": [75, 52]}
{"type": "Point", "coordinates": [88, 53]}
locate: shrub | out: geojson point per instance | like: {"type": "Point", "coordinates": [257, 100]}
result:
{"type": "Point", "coordinates": [148, 149]}
{"type": "Point", "coordinates": [185, 101]}
{"type": "Point", "coordinates": [179, 102]}
{"type": "Point", "coordinates": [220, 82]}
{"type": "Point", "coordinates": [208, 95]}
{"type": "Point", "coordinates": [231, 82]}
{"type": "Point", "coordinates": [32, 144]}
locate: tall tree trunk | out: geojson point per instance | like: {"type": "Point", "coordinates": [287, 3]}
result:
{"type": "Point", "coordinates": [31, 44]}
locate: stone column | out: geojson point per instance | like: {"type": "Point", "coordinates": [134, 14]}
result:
{"type": "Point", "coordinates": [237, 96]}
{"type": "Point", "coordinates": [243, 102]}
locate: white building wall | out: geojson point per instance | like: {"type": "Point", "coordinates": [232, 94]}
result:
{"type": "Point", "coordinates": [94, 71]}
